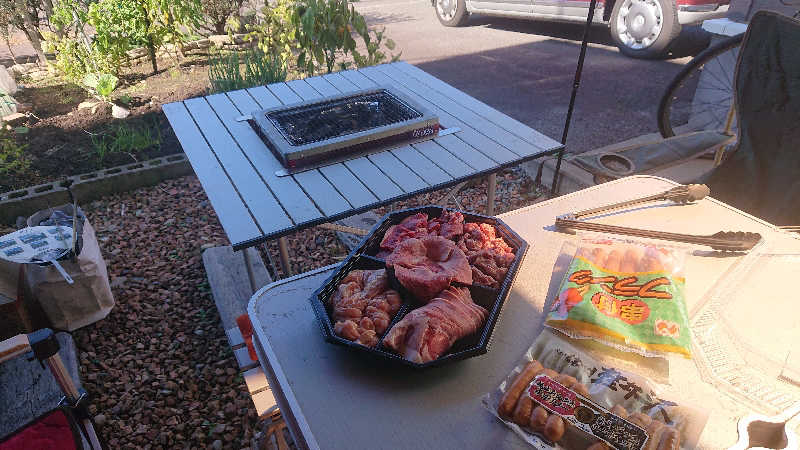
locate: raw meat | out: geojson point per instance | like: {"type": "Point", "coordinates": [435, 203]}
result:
{"type": "Point", "coordinates": [449, 225]}
{"type": "Point", "coordinates": [427, 266]}
{"type": "Point", "coordinates": [425, 333]}
{"type": "Point", "coordinates": [411, 227]}
{"type": "Point", "coordinates": [363, 306]}
{"type": "Point", "coordinates": [489, 255]}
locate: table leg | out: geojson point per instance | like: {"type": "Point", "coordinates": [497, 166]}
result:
{"type": "Point", "coordinates": [248, 264]}
{"type": "Point", "coordinates": [490, 192]}
{"type": "Point", "coordinates": [283, 248]}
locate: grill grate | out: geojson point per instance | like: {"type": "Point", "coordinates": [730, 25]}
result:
{"type": "Point", "coordinates": [326, 120]}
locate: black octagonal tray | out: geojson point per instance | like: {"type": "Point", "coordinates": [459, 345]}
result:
{"type": "Point", "coordinates": [363, 258]}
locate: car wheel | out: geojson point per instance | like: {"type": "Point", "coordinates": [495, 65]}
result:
{"type": "Point", "coordinates": [451, 13]}
{"type": "Point", "coordinates": [644, 28]}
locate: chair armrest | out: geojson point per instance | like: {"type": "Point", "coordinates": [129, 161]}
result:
{"type": "Point", "coordinates": [13, 347]}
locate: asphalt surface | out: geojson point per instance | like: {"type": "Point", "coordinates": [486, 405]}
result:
{"type": "Point", "coordinates": [526, 68]}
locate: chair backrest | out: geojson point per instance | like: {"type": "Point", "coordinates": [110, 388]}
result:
{"type": "Point", "coordinates": [763, 176]}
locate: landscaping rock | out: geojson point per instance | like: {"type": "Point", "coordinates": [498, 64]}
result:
{"type": "Point", "coordinates": [218, 40]}
{"type": "Point", "coordinates": [119, 112]}
{"type": "Point", "coordinates": [7, 83]}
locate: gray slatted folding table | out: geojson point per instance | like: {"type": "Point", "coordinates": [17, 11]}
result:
{"type": "Point", "coordinates": [238, 172]}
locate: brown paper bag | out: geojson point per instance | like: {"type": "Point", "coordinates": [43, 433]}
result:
{"type": "Point", "coordinates": [72, 306]}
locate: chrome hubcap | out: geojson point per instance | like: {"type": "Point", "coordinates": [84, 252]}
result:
{"type": "Point", "coordinates": [446, 9]}
{"type": "Point", "coordinates": [639, 23]}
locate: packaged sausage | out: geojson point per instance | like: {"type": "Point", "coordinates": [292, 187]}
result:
{"type": "Point", "coordinates": [562, 396]}
{"type": "Point", "coordinates": [627, 295]}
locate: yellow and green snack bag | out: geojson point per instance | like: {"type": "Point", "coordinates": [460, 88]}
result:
{"type": "Point", "coordinates": [629, 296]}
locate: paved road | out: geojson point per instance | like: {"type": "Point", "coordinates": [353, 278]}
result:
{"type": "Point", "coordinates": [526, 68]}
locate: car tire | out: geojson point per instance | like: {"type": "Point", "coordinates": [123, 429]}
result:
{"type": "Point", "coordinates": [451, 13]}
{"type": "Point", "coordinates": [644, 28]}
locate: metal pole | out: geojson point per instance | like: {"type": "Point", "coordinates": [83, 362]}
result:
{"type": "Point", "coordinates": [575, 85]}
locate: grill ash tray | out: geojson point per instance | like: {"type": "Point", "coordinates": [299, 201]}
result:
{"type": "Point", "coordinates": [363, 258]}
{"type": "Point", "coordinates": [319, 132]}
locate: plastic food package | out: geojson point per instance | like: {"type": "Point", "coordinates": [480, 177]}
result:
{"type": "Point", "coordinates": [575, 400]}
{"type": "Point", "coordinates": [627, 295]}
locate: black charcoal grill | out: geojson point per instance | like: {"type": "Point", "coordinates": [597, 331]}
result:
{"type": "Point", "coordinates": [320, 132]}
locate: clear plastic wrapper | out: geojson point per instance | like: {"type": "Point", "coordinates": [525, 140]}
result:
{"type": "Point", "coordinates": [564, 394]}
{"type": "Point", "coordinates": [626, 294]}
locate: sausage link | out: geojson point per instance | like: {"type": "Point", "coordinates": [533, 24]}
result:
{"type": "Point", "coordinates": [538, 419]}
{"type": "Point", "coordinates": [554, 428]}
{"type": "Point", "coordinates": [619, 411]}
{"type": "Point", "coordinates": [511, 397]}
{"type": "Point", "coordinates": [522, 412]}
{"type": "Point", "coordinates": [670, 439]}
{"type": "Point", "coordinates": [654, 431]}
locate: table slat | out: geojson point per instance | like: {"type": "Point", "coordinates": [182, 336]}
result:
{"type": "Point", "coordinates": [464, 152]}
{"type": "Point", "coordinates": [507, 122]}
{"type": "Point", "coordinates": [397, 171]}
{"type": "Point", "coordinates": [234, 216]}
{"type": "Point", "coordinates": [258, 198]}
{"type": "Point", "coordinates": [421, 165]}
{"type": "Point", "coordinates": [322, 86]}
{"type": "Point", "coordinates": [324, 194]}
{"type": "Point", "coordinates": [444, 159]}
{"type": "Point", "coordinates": [264, 97]}
{"type": "Point", "coordinates": [372, 177]}
{"type": "Point", "coordinates": [284, 93]}
{"type": "Point", "coordinates": [303, 89]}
{"type": "Point", "coordinates": [347, 183]}
{"type": "Point", "coordinates": [493, 150]}
{"type": "Point", "coordinates": [289, 194]}
{"type": "Point", "coordinates": [485, 127]}
{"type": "Point", "coordinates": [340, 82]}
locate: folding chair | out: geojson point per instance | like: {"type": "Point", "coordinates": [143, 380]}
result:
{"type": "Point", "coordinates": [69, 426]}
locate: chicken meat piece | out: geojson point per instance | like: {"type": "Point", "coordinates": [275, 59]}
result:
{"type": "Point", "coordinates": [426, 333]}
{"type": "Point", "coordinates": [427, 266]}
{"type": "Point", "coordinates": [489, 255]}
{"type": "Point", "coordinates": [363, 306]}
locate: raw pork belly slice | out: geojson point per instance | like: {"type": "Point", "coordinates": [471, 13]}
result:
{"type": "Point", "coordinates": [426, 333]}
{"type": "Point", "coordinates": [489, 255]}
{"type": "Point", "coordinates": [427, 266]}
{"type": "Point", "coordinates": [363, 306]}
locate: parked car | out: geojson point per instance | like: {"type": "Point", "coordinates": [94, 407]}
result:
{"type": "Point", "coordinates": [640, 28]}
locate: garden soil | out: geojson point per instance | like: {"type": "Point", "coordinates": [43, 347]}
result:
{"type": "Point", "coordinates": [59, 141]}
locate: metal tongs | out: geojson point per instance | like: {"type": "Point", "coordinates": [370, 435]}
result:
{"type": "Point", "coordinates": [734, 241]}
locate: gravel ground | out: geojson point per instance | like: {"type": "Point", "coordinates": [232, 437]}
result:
{"type": "Point", "coordinates": [159, 366]}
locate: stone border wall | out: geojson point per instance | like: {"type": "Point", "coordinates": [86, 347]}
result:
{"type": "Point", "coordinates": [91, 186]}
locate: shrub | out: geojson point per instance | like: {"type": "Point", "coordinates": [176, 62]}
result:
{"type": "Point", "coordinates": [238, 70]}
{"type": "Point", "coordinates": [320, 35]}
{"type": "Point", "coordinates": [12, 156]}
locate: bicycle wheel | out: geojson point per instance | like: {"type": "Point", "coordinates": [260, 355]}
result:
{"type": "Point", "coordinates": [700, 96]}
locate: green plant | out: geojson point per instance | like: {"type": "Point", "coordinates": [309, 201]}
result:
{"type": "Point", "coordinates": [238, 70]}
{"type": "Point", "coordinates": [126, 138]}
{"type": "Point", "coordinates": [320, 36]}
{"type": "Point", "coordinates": [103, 84]}
{"type": "Point", "coordinates": [12, 156]}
